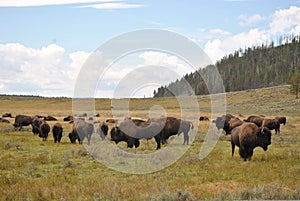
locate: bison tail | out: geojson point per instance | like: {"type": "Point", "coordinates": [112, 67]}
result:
{"type": "Point", "coordinates": [192, 125]}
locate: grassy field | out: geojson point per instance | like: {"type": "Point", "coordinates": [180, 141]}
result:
{"type": "Point", "coordinates": [31, 169]}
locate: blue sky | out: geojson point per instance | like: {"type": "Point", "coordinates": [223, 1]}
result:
{"type": "Point", "coordinates": [44, 43]}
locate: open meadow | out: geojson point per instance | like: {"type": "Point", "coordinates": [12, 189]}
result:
{"type": "Point", "coordinates": [32, 169]}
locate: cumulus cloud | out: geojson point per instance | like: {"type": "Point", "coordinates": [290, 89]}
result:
{"type": "Point", "coordinates": [46, 71]}
{"type": "Point", "coordinates": [217, 48]}
{"type": "Point", "coordinates": [248, 21]}
{"type": "Point", "coordinates": [285, 20]}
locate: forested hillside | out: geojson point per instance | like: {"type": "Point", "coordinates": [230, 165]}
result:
{"type": "Point", "coordinates": [251, 68]}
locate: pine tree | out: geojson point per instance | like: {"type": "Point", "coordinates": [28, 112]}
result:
{"type": "Point", "coordinates": [295, 84]}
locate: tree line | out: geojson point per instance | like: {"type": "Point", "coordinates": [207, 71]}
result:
{"type": "Point", "coordinates": [250, 68]}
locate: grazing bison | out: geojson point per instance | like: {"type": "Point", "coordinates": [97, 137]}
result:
{"type": "Point", "coordinates": [255, 119]}
{"type": "Point", "coordinates": [235, 122]}
{"type": "Point", "coordinates": [4, 120]}
{"type": "Point", "coordinates": [69, 118]}
{"type": "Point", "coordinates": [173, 126]}
{"type": "Point", "coordinates": [57, 131]}
{"type": "Point", "coordinates": [118, 136]}
{"type": "Point", "coordinates": [111, 120]}
{"type": "Point", "coordinates": [272, 125]}
{"type": "Point", "coordinates": [247, 137]}
{"type": "Point", "coordinates": [80, 130]}
{"type": "Point", "coordinates": [22, 120]}
{"type": "Point", "coordinates": [137, 129]}
{"type": "Point", "coordinates": [223, 122]}
{"type": "Point", "coordinates": [7, 115]}
{"type": "Point", "coordinates": [203, 118]}
{"type": "Point", "coordinates": [102, 130]}
{"type": "Point", "coordinates": [40, 127]}
{"type": "Point", "coordinates": [50, 118]}
{"type": "Point", "coordinates": [281, 120]}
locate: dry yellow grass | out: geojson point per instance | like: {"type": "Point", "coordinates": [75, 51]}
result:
{"type": "Point", "coordinates": [34, 170]}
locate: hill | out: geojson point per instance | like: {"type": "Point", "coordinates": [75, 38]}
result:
{"type": "Point", "coordinates": [251, 68]}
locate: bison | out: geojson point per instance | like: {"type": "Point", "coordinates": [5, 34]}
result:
{"type": "Point", "coordinates": [102, 130]}
{"type": "Point", "coordinates": [57, 131]}
{"type": "Point", "coordinates": [223, 122]}
{"type": "Point", "coordinates": [22, 120]}
{"type": "Point", "coordinates": [281, 120]}
{"type": "Point", "coordinates": [173, 126]}
{"type": "Point", "coordinates": [203, 118]}
{"type": "Point", "coordinates": [40, 127]}
{"type": "Point", "coordinates": [247, 137]}
{"type": "Point", "coordinates": [7, 115]}
{"type": "Point", "coordinates": [235, 122]}
{"type": "Point", "coordinates": [68, 118]}
{"type": "Point", "coordinates": [272, 125]}
{"type": "Point", "coordinates": [4, 120]}
{"type": "Point", "coordinates": [130, 131]}
{"type": "Point", "coordinates": [80, 130]}
{"type": "Point", "coordinates": [118, 136]}
{"type": "Point", "coordinates": [111, 120]}
{"type": "Point", "coordinates": [50, 118]}
{"type": "Point", "coordinates": [255, 119]}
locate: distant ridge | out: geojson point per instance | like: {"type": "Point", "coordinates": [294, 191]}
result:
{"type": "Point", "coordinates": [252, 68]}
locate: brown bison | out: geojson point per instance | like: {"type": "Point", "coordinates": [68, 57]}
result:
{"type": "Point", "coordinates": [102, 130]}
{"type": "Point", "coordinates": [247, 137]}
{"type": "Point", "coordinates": [173, 126]}
{"type": "Point", "coordinates": [235, 122]}
{"type": "Point", "coordinates": [81, 130]}
{"type": "Point", "coordinates": [223, 123]}
{"type": "Point", "coordinates": [68, 118]}
{"type": "Point", "coordinates": [40, 127]}
{"type": "Point", "coordinates": [22, 120]}
{"type": "Point", "coordinates": [50, 118]}
{"type": "Point", "coordinates": [4, 120]}
{"type": "Point", "coordinates": [203, 118]}
{"type": "Point", "coordinates": [281, 120]}
{"type": "Point", "coordinates": [118, 136]}
{"type": "Point", "coordinates": [272, 125]}
{"type": "Point", "coordinates": [255, 119]}
{"type": "Point", "coordinates": [111, 120]}
{"type": "Point", "coordinates": [131, 131]}
{"type": "Point", "coordinates": [7, 115]}
{"type": "Point", "coordinates": [57, 131]}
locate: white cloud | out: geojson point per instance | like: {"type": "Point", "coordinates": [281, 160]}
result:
{"type": "Point", "coordinates": [118, 5]}
{"type": "Point", "coordinates": [27, 3]}
{"type": "Point", "coordinates": [98, 4]}
{"type": "Point", "coordinates": [248, 21]}
{"type": "Point", "coordinates": [285, 20]}
{"type": "Point", "coordinates": [218, 32]}
{"type": "Point", "coordinates": [46, 71]}
{"type": "Point", "coordinates": [216, 49]}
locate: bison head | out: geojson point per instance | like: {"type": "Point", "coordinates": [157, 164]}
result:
{"type": "Point", "coordinates": [220, 121]}
{"type": "Point", "coordinates": [115, 134]}
{"type": "Point", "coordinates": [264, 137]}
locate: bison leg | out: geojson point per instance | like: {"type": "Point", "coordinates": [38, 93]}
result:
{"type": "Point", "coordinates": [243, 153]}
{"type": "Point", "coordinates": [232, 148]}
{"type": "Point", "coordinates": [158, 140]}
{"type": "Point", "coordinates": [186, 138]}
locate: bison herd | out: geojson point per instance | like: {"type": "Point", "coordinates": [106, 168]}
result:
{"type": "Point", "coordinates": [254, 131]}
{"type": "Point", "coordinates": [247, 134]}
{"type": "Point", "coordinates": [129, 130]}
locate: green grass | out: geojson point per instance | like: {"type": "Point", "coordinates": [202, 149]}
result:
{"type": "Point", "coordinates": [34, 170]}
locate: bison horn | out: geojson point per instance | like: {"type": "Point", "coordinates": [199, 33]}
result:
{"type": "Point", "coordinates": [262, 130]}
